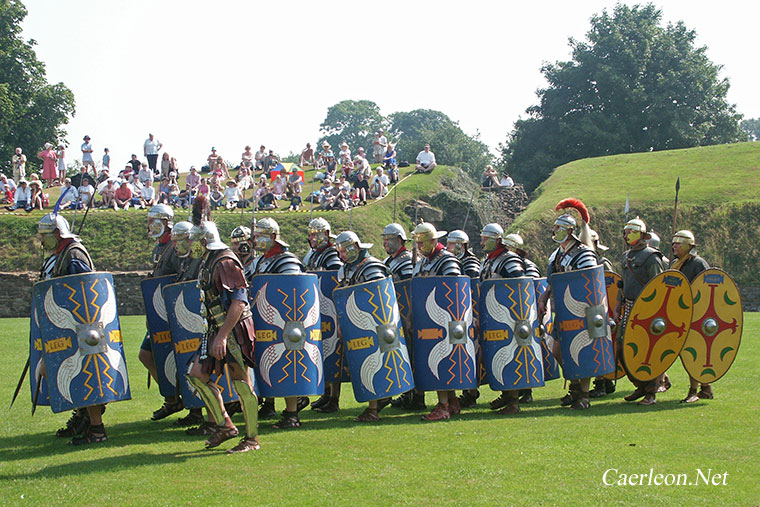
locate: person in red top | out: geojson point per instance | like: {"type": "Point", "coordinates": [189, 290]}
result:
{"type": "Point", "coordinates": [123, 196]}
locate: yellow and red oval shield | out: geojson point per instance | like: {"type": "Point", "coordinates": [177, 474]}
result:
{"type": "Point", "coordinates": [716, 328]}
{"type": "Point", "coordinates": [658, 325]}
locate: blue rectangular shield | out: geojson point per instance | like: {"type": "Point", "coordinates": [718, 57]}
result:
{"type": "Point", "coordinates": [551, 365]}
{"type": "Point", "coordinates": [332, 348]}
{"type": "Point", "coordinates": [160, 336]}
{"type": "Point", "coordinates": [286, 316]}
{"type": "Point", "coordinates": [35, 361]}
{"type": "Point", "coordinates": [482, 373]}
{"type": "Point", "coordinates": [81, 341]}
{"type": "Point", "coordinates": [373, 339]}
{"type": "Point", "coordinates": [444, 334]}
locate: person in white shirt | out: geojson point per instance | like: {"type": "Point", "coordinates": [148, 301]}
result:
{"type": "Point", "coordinates": [425, 160]}
{"type": "Point", "coordinates": [18, 160]}
{"type": "Point", "coordinates": [151, 147]}
{"type": "Point", "coordinates": [69, 195]}
{"type": "Point", "coordinates": [231, 194]}
{"type": "Point", "coordinates": [506, 180]}
{"type": "Point", "coordinates": [379, 145]}
{"type": "Point", "coordinates": [87, 155]}
{"type": "Point", "coordinates": [23, 197]}
{"type": "Point", "coordinates": [379, 185]}
{"type": "Point", "coordinates": [148, 195]}
{"type": "Point", "coordinates": [86, 191]}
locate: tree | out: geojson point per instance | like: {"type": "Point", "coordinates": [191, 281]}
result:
{"type": "Point", "coordinates": [633, 86]}
{"type": "Point", "coordinates": [352, 121]}
{"type": "Point", "coordinates": [31, 110]}
{"type": "Point", "coordinates": [452, 146]}
{"type": "Point", "coordinates": [752, 127]}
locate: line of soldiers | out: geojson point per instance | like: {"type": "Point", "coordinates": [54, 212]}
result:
{"type": "Point", "coordinates": [234, 302]}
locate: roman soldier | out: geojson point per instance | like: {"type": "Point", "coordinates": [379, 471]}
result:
{"type": "Point", "coordinates": [686, 260]}
{"type": "Point", "coordinates": [68, 256]}
{"type": "Point", "coordinates": [165, 262]}
{"type": "Point", "coordinates": [458, 243]}
{"type": "Point", "coordinates": [436, 261]}
{"type": "Point", "coordinates": [274, 257]}
{"type": "Point", "coordinates": [229, 336]}
{"type": "Point", "coordinates": [641, 263]}
{"type": "Point", "coordinates": [501, 262]}
{"type": "Point", "coordinates": [574, 252]}
{"type": "Point", "coordinates": [399, 260]}
{"type": "Point", "coordinates": [359, 267]}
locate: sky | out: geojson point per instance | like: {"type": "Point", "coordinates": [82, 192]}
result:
{"type": "Point", "coordinates": [228, 73]}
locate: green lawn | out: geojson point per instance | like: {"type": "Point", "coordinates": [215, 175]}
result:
{"type": "Point", "coordinates": [545, 455]}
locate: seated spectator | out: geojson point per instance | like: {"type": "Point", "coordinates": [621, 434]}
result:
{"type": "Point", "coordinates": [38, 200]}
{"type": "Point", "coordinates": [341, 200]}
{"type": "Point", "coordinates": [490, 177]}
{"type": "Point", "coordinates": [267, 201]}
{"type": "Point", "coordinates": [259, 157]}
{"type": "Point", "coordinates": [22, 197]}
{"type": "Point", "coordinates": [294, 181]}
{"type": "Point", "coordinates": [307, 156]}
{"type": "Point", "coordinates": [107, 193]}
{"type": "Point", "coordinates": [324, 154]}
{"type": "Point", "coordinates": [213, 159]}
{"type": "Point", "coordinates": [127, 172]}
{"type": "Point", "coordinates": [7, 188]}
{"type": "Point", "coordinates": [69, 195]}
{"type": "Point", "coordinates": [163, 191]}
{"type": "Point", "coordinates": [78, 179]}
{"type": "Point", "coordinates": [379, 184]}
{"type": "Point", "coordinates": [134, 163]}
{"type": "Point", "coordinates": [344, 152]}
{"type": "Point", "coordinates": [361, 188]}
{"type": "Point", "coordinates": [216, 198]}
{"type": "Point", "coordinates": [326, 193]}
{"type": "Point", "coordinates": [425, 160]}
{"type": "Point", "coordinates": [185, 197]}
{"type": "Point", "coordinates": [148, 195]}
{"type": "Point", "coordinates": [246, 159]}
{"type": "Point", "coordinates": [295, 200]}
{"type": "Point", "coordinates": [506, 180]}
{"type": "Point", "coordinates": [193, 179]}
{"type": "Point", "coordinates": [86, 193]}
{"type": "Point", "coordinates": [390, 164]}
{"type": "Point", "coordinates": [231, 195]}
{"type": "Point", "coordinates": [221, 168]}
{"type": "Point", "coordinates": [270, 163]}
{"type": "Point", "coordinates": [279, 186]}
{"type": "Point", "coordinates": [342, 183]}
{"type": "Point", "coordinates": [361, 165]}
{"type": "Point", "coordinates": [346, 166]}
{"type": "Point", "coordinates": [104, 174]}
{"type": "Point", "coordinates": [122, 197]}
{"type": "Point", "coordinates": [203, 188]}
{"type": "Point", "coordinates": [244, 179]}
{"type": "Point", "coordinates": [173, 193]}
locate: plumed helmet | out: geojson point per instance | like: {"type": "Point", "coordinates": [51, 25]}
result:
{"type": "Point", "coordinates": [458, 236]}
{"type": "Point", "coordinates": [684, 237]}
{"type": "Point", "coordinates": [566, 221]}
{"type": "Point", "coordinates": [162, 211]}
{"type": "Point", "coordinates": [319, 224]}
{"type": "Point", "coordinates": [347, 238]}
{"type": "Point", "coordinates": [181, 230]}
{"type": "Point", "coordinates": [426, 231]}
{"type": "Point", "coordinates": [654, 241]}
{"type": "Point", "coordinates": [492, 231]}
{"type": "Point", "coordinates": [240, 233]}
{"type": "Point", "coordinates": [395, 229]}
{"type": "Point", "coordinates": [209, 232]}
{"type": "Point", "coordinates": [52, 222]}
{"type": "Point", "coordinates": [269, 226]}
{"type": "Point", "coordinates": [515, 241]}
{"type": "Point", "coordinates": [636, 224]}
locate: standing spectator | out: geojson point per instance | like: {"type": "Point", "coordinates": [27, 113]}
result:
{"type": "Point", "coordinates": [19, 165]}
{"type": "Point", "coordinates": [246, 159]}
{"type": "Point", "coordinates": [506, 180]}
{"type": "Point", "coordinates": [294, 181]}
{"type": "Point", "coordinates": [7, 188]}
{"type": "Point", "coordinates": [87, 154]}
{"type": "Point", "coordinates": [60, 154]}
{"type": "Point", "coordinates": [23, 198]}
{"type": "Point", "coordinates": [123, 196]}
{"type": "Point", "coordinates": [166, 165]}
{"type": "Point", "coordinates": [361, 187]}
{"type": "Point", "coordinates": [212, 159]}
{"type": "Point", "coordinates": [86, 192]}
{"type": "Point", "coordinates": [148, 195]}
{"type": "Point", "coordinates": [37, 200]}
{"type": "Point", "coordinates": [106, 159]}
{"type": "Point", "coordinates": [107, 193]}
{"type": "Point", "coordinates": [307, 156]}
{"type": "Point", "coordinates": [69, 194]}
{"type": "Point", "coordinates": [193, 179]}
{"type": "Point", "coordinates": [390, 164]}
{"type": "Point", "coordinates": [425, 160]}
{"type": "Point", "coordinates": [231, 195]}
{"type": "Point", "coordinates": [379, 184]}
{"type": "Point", "coordinates": [48, 157]}
{"type": "Point", "coordinates": [259, 157]}
{"type": "Point", "coordinates": [295, 200]}
{"type": "Point", "coordinates": [379, 144]}
{"type": "Point", "coordinates": [151, 147]}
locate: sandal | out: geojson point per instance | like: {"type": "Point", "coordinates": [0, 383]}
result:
{"type": "Point", "coordinates": [469, 398]}
{"type": "Point", "coordinates": [221, 433]}
{"type": "Point", "coordinates": [167, 409]}
{"type": "Point", "coordinates": [581, 403]}
{"type": "Point", "coordinates": [635, 395]}
{"type": "Point", "coordinates": [76, 425]}
{"type": "Point", "coordinates": [369, 415]}
{"type": "Point", "coordinates": [93, 435]}
{"type": "Point", "coordinates": [206, 428]}
{"type": "Point", "coordinates": [289, 421]}
{"type": "Point", "coordinates": [691, 397]}
{"type": "Point", "coordinates": [499, 402]}
{"type": "Point", "coordinates": [194, 418]}
{"type": "Point", "coordinates": [513, 407]}
{"type": "Point", "coordinates": [245, 445]}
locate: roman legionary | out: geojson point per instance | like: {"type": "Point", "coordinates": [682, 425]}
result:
{"type": "Point", "coordinates": [686, 260]}
{"type": "Point", "coordinates": [359, 267]}
{"type": "Point", "coordinates": [500, 262]}
{"type": "Point", "coordinates": [276, 258]}
{"type": "Point", "coordinates": [165, 262]}
{"type": "Point", "coordinates": [241, 243]}
{"type": "Point", "coordinates": [68, 256]}
{"type": "Point", "coordinates": [573, 253]}
{"type": "Point", "coordinates": [323, 255]}
{"type": "Point", "coordinates": [458, 243]}
{"type": "Point", "coordinates": [229, 337]}
{"type": "Point", "coordinates": [641, 263]}
{"type": "Point", "coordinates": [399, 260]}
{"type": "Point", "coordinates": [436, 261]}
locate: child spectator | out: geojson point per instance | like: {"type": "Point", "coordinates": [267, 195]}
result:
{"type": "Point", "coordinates": [216, 198]}
{"type": "Point", "coordinates": [295, 201]}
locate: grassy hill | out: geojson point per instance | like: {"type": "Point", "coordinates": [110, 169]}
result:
{"type": "Point", "coordinates": [117, 240]}
{"type": "Point", "coordinates": [718, 200]}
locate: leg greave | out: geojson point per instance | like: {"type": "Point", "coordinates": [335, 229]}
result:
{"type": "Point", "coordinates": [208, 395]}
{"type": "Point", "coordinates": [249, 405]}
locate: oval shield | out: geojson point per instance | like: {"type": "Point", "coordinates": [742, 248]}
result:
{"type": "Point", "coordinates": [373, 338]}
{"type": "Point", "coordinates": [611, 280]}
{"type": "Point", "coordinates": [81, 341]}
{"type": "Point", "coordinates": [35, 361]}
{"type": "Point", "coordinates": [331, 346]}
{"type": "Point", "coordinates": [444, 335]}
{"type": "Point", "coordinates": [509, 321]}
{"type": "Point", "coordinates": [657, 326]}
{"type": "Point", "coordinates": [160, 336]}
{"type": "Point", "coordinates": [716, 326]}
{"type": "Point", "coordinates": [288, 349]}
{"type": "Point", "coordinates": [581, 324]}
{"type": "Point", "coordinates": [187, 327]}
{"type": "Point", "coordinates": [544, 331]}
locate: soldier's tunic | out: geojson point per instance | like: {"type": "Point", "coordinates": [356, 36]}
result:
{"type": "Point", "coordinates": [441, 262]}
{"type": "Point", "coordinates": [691, 267]}
{"type": "Point", "coordinates": [325, 258]}
{"type": "Point", "coordinates": [221, 281]}
{"type": "Point", "coordinates": [470, 264]}
{"type": "Point", "coordinates": [400, 264]}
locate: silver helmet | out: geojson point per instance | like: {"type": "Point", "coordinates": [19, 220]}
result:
{"type": "Point", "coordinates": [348, 245]}
{"type": "Point", "coordinates": [240, 233]}
{"type": "Point", "coordinates": [514, 241]}
{"type": "Point", "coordinates": [181, 238]}
{"type": "Point", "coordinates": [319, 224]}
{"type": "Point", "coordinates": [265, 227]}
{"type": "Point", "coordinates": [52, 222]}
{"type": "Point", "coordinates": [491, 237]}
{"type": "Point", "coordinates": [654, 240]}
{"type": "Point", "coordinates": [209, 232]}
{"type": "Point", "coordinates": [162, 211]}
{"type": "Point", "coordinates": [457, 242]}
{"type": "Point", "coordinates": [684, 237]}
{"type": "Point", "coordinates": [395, 229]}
{"type": "Point", "coordinates": [565, 227]}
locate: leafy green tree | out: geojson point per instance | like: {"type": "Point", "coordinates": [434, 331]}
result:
{"type": "Point", "coordinates": [352, 121]}
{"type": "Point", "coordinates": [752, 127]}
{"type": "Point", "coordinates": [633, 86]}
{"type": "Point", "coordinates": [31, 110]}
{"type": "Point", "coordinates": [451, 145]}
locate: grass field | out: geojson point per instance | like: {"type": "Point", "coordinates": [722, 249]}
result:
{"type": "Point", "coordinates": [545, 455]}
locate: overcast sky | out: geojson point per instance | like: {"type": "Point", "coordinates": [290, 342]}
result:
{"type": "Point", "coordinates": [229, 73]}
